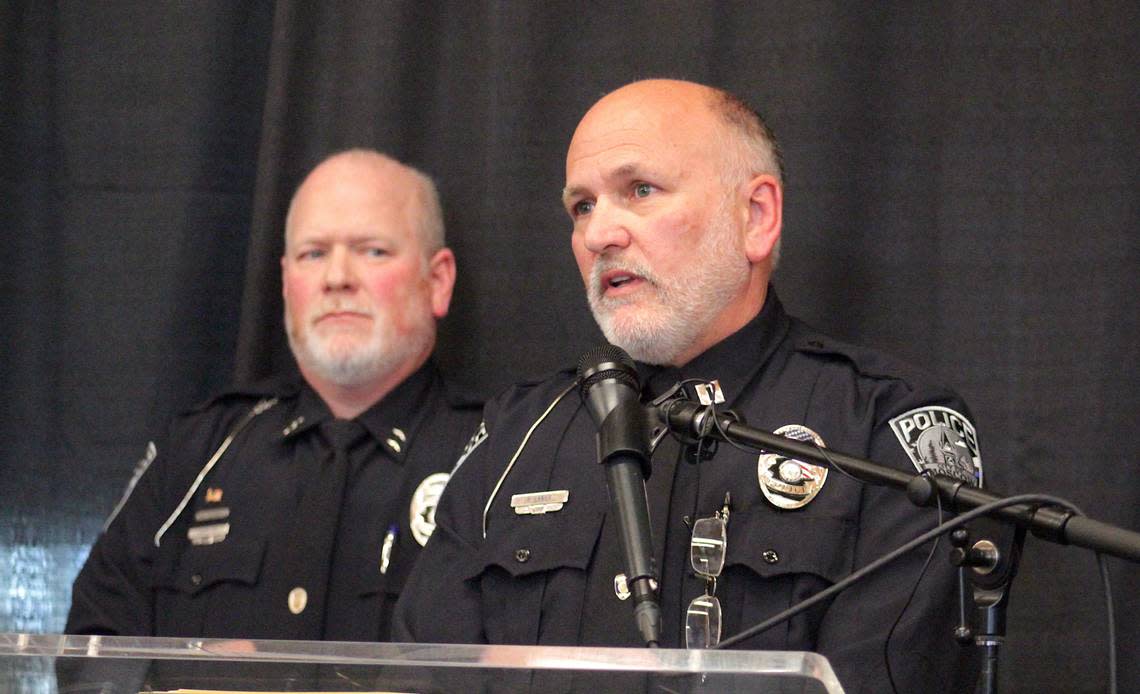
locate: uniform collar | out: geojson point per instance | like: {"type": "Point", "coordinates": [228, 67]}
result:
{"type": "Point", "coordinates": [734, 360]}
{"type": "Point", "coordinates": [391, 421]}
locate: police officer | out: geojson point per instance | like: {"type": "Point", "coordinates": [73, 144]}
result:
{"type": "Point", "coordinates": [675, 195]}
{"type": "Point", "coordinates": [294, 509]}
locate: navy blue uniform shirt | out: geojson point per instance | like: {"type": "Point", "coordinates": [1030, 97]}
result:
{"type": "Point", "coordinates": [225, 564]}
{"type": "Point", "coordinates": [549, 578]}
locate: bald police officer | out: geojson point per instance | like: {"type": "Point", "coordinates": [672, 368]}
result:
{"type": "Point", "coordinates": [674, 191]}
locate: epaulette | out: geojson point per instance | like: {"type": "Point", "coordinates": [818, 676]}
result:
{"type": "Point", "coordinates": [461, 395]}
{"type": "Point", "coordinates": [266, 388]}
{"type": "Point", "coordinates": [529, 383]}
{"type": "Point", "coordinates": [867, 362]}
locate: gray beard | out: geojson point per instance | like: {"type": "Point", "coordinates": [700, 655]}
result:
{"type": "Point", "coordinates": [681, 309]}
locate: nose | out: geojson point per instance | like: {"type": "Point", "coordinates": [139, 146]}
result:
{"type": "Point", "coordinates": [606, 228]}
{"type": "Point", "coordinates": [339, 273]}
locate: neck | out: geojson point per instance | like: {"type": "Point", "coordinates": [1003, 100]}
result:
{"type": "Point", "coordinates": [347, 402]}
{"type": "Point", "coordinates": [734, 317]}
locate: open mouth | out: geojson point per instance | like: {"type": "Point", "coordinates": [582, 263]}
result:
{"type": "Point", "coordinates": [619, 281]}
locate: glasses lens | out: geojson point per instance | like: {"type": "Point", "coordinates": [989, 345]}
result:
{"type": "Point", "coordinates": [702, 623]}
{"type": "Point", "coordinates": [707, 549]}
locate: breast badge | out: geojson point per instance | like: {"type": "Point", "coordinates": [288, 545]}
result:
{"type": "Point", "coordinates": [942, 441]}
{"type": "Point", "coordinates": [786, 482]}
{"type": "Point", "coordinates": [424, 501]}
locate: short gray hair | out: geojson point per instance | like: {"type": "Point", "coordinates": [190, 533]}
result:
{"type": "Point", "coordinates": [751, 147]}
{"type": "Point", "coordinates": [428, 216]}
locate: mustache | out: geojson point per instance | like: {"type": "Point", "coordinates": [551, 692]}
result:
{"type": "Point", "coordinates": [610, 263]}
{"type": "Point", "coordinates": [339, 307]}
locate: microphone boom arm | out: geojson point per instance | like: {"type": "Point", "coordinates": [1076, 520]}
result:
{"type": "Point", "coordinates": [1052, 524]}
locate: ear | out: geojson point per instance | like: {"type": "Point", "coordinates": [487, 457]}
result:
{"type": "Point", "coordinates": [441, 277]}
{"type": "Point", "coordinates": [765, 217]}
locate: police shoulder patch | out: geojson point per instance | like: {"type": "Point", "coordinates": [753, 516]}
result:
{"type": "Point", "coordinates": [942, 441]}
{"type": "Point", "coordinates": [141, 466]}
{"type": "Point", "coordinates": [476, 439]}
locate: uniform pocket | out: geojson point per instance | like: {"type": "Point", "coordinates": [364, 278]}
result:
{"type": "Point", "coordinates": [204, 590]}
{"type": "Point", "coordinates": [202, 567]}
{"type": "Point", "coordinates": [526, 559]}
{"type": "Point", "coordinates": [776, 560]}
{"type": "Point", "coordinates": [771, 544]}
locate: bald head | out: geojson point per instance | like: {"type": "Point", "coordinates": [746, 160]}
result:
{"type": "Point", "coordinates": [727, 127]}
{"type": "Point", "coordinates": [380, 177]}
{"type": "Point", "coordinates": [674, 191]}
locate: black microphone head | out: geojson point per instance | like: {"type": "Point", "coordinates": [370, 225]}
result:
{"type": "Point", "coordinates": [607, 361]}
{"type": "Point", "coordinates": [609, 364]}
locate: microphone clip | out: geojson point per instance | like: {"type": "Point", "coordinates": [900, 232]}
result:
{"type": "Point", "coordinates": [625, 431]}
{"type": "Point", "coordinates": [700, 445]}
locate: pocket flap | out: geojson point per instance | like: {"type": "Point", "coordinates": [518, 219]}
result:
{"type": "Point", "coordinates": [202, 566]}
{"type": "Point", "coordinates": [771, 544]}
{"type": "Point", "coordinates": [530, 544]}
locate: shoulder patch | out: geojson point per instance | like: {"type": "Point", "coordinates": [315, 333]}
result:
{"type": "Point", "coordinates": [942, 441]}
{"type": "Point", "coordinates": [474, 442]}
{"type": "Point", "coordinates": [141, 466]}
{"type": "Point", "coordinates": [421, 513]}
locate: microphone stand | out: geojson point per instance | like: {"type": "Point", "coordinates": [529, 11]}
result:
{"type": "Point", "coordinates": [989, 571]}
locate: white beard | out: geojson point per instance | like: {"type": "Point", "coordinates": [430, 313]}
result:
{"type": "Point", "coordinates": [346, 361]}
{"type": "Point", "coordinates": [658, 329]}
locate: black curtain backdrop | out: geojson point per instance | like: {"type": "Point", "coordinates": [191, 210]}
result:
{"type": "Point", "coordinates": [962, 191]}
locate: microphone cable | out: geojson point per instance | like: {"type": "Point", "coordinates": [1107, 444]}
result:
{"type": "Point", "coordinates": [943, 528]}
{"type": "Point", "coordinates": [936, 533]}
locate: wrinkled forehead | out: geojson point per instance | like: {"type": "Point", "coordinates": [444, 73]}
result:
{"type": "Point", "coordinates": [644, 127]}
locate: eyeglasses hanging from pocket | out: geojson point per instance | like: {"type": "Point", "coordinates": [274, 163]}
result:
{"type": "Point", "coordinates": [707, 553]}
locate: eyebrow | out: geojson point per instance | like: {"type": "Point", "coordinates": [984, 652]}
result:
{"type": "Point", "coordinates": [623, 171]}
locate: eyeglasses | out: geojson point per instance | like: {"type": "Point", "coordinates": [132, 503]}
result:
{"type": "Point", "coordinates": [706, 553]}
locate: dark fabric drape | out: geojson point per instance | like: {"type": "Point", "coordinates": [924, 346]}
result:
{"type": "Point", "coordinates": [962, 191]}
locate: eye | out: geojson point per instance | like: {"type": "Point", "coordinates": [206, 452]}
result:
{"type": "Point", "coordinates": [311, 254]}
{"type": "Point", "coordinates": [642, 190]}
{"type": "Point", "coordinates": [582, 207]}
{"type": "Point", "coordinates": [375, 252]}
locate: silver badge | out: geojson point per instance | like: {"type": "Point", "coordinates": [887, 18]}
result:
{"type": "Point", "coordinates": [537, 503]}
{"type": "Point", "coordinates": [786, 482]}
{"type": "Point", "coordinates": [424, 500]}
{"type": "Point", "coordinates": [942, 441]}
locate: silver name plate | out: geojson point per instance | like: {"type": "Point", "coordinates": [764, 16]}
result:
{"type": "Point", "coordinates": [539, 502]}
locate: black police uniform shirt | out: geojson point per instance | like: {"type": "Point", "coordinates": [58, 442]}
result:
{"type": "Point", "coordinates": [227, 565]}
{"type": "Point", "coordinates": [549, 578]}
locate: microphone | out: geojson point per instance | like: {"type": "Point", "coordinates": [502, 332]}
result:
{"type": "Point", "coordinates": [611, 390]}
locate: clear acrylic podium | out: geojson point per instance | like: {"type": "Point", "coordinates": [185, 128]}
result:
{"type": "Point", "coordinates": [49, 663]}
